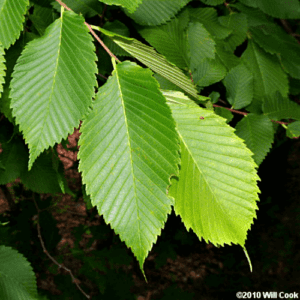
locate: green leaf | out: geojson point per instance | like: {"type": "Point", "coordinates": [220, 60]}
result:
{"type": "Point", "coordinates": [42, 17]}
{"type": "Point", "coordinates": [209, 72]}
{"type": "Point", "coordinates": [277, 108]}
{"type": "Point", "coordinates": [53, 83]}
{"type": "Point", "coordinates": [239, 86]}
{"type": "Point", "coordinates": [275, 41]}
{"type": "Point", "coordinates": [156, 12]}
{"type": "Point", "coordinates": [293, 130]}
{"type": "Point", "coordinates": [158, 63]}
{"type": "Point", "coordinates": [268, 76]}
{"type": "Point", "coordinates": [131, 5]}
{"type": "Point", "coordinates": [252, 3]}
{"type": "Point", "coordinates": [278, 9]}
{"type": "Point", "coordinates": [255, 16]}
{"type": "Point", "coordinates": [17, 279]}
{"type": "Point", "coordinates": [11, 20]}
{"type": "Point", "coordinates": [119, 28]}
{"type": "Point", "coordinates": [170, 40]}
{"type": "Point", "coordinates": [128, 151]}
{"type": "Point", "coordinates": [202, 45]}
{"type": "Point", "coordinates": [224, 113]}
{"type": "Point", "coordinates": [214, 97]}
{"type": "Point", "coordinates": [88, 8]}
{"type": "Point", "coordinates": [213, 2]}
{"type": "Point", "coordinates": [237, 22]}
{"type": "Point", "coordinates": [14, 157]}
{"type": "Point", "coordinates": [208, 16]}
{"type": "Point", "coordinates": [216, 192]}
{"type": "Point", "coordinates": [258, 133]}
{"type": "Point", "coordinates": [228, 59]}
{"type": "Point", "coordinates": [42, 178]}
{"type": "Point", "coordinates": [2, 69]}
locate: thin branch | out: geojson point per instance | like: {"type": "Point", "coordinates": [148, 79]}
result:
{"type": "Point", "coordinates": [233, 110]}
{"type": "Point", "coordinates": [288, 29]}
{"type": "Point", "coordinates": [74, 280]}
{"type": "Point", "coordinates": [92, 32]}
{"type": "Point", "coordinates": [245, 114]}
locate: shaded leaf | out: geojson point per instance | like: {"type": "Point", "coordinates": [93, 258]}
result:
{"type": "Point", "coordinates": [202, 45]}
{"type": "Point", "coordinates": [224, 113]}
{"type": "Point", "coordinates": [255, 16]}
{"type": "Point", "coordinates": [209, 72]}
{"type": "Point", "coordinates": [293, 130]}
{"type": "Point", "coordinates": [128, 151]}
{"type": "Point", "coordinates": [237, 22]}
{"type": "Point", "coordinates": [170, 40]}
{"type": "Point", "coordinates": [209, 18]}
{"type": "Point", "coordinates": [275, 41]}
{"type": "Point", "coordinates": [212, 2]}
{"type": "Point", "coordinates": [258, 133]}
{"type": "Point", "coordinates": [42, 17]}
{"type": "Point", "coordinates": [88, 8]}
{"type": "Point", "coordinates": [277, 108]}
{"type": "Point", "coordinates": [131, 5]}
{"type": "Point", "coordinates": [239, 86]}
{"type": "Point", "coordinates": [14, 157]}
{"type": "Point", "coordinates": [228, 59]}
{"type": "Point", "coordinates": [17, 279]}
{"type": "Point", "coordinates": [268, 76]}
{"type": "Point", "coordinates": [119, 28]}
{"type": "Point", "coordinates": [278, 9]}
{"type": "Point", "coordinates": [42, 178]}
{"type": "Point", "coordinates": [156, 12]}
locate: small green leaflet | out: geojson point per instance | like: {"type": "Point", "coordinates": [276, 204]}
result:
{"type": "Point", "coordinates": [277, 108]}
{"type": "Point", "coordinates": [268, 76]}
{"type": "Point", "coordinates": [239, 86]}
{"type": "Point", "coordinates": [293, 130]}
{"type": "Point", "coordinates": [53, 83]}
{"type": "Point", "coordinates": [217, 189]}
{"type": "Point", "coordinates": [258, 133]}
{"type": "Point", "coordinates": [128, 151]}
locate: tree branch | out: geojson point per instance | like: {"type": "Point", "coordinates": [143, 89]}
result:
{"type": "Point", "coordinates": [245, 114]}
{"type": "Point", "coordinates": [74, 280]}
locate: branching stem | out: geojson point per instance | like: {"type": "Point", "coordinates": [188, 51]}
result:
{"type": "Point", "coordinates": [74, 280]}
{"type": "Point", "coordinates": [245, 114]}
